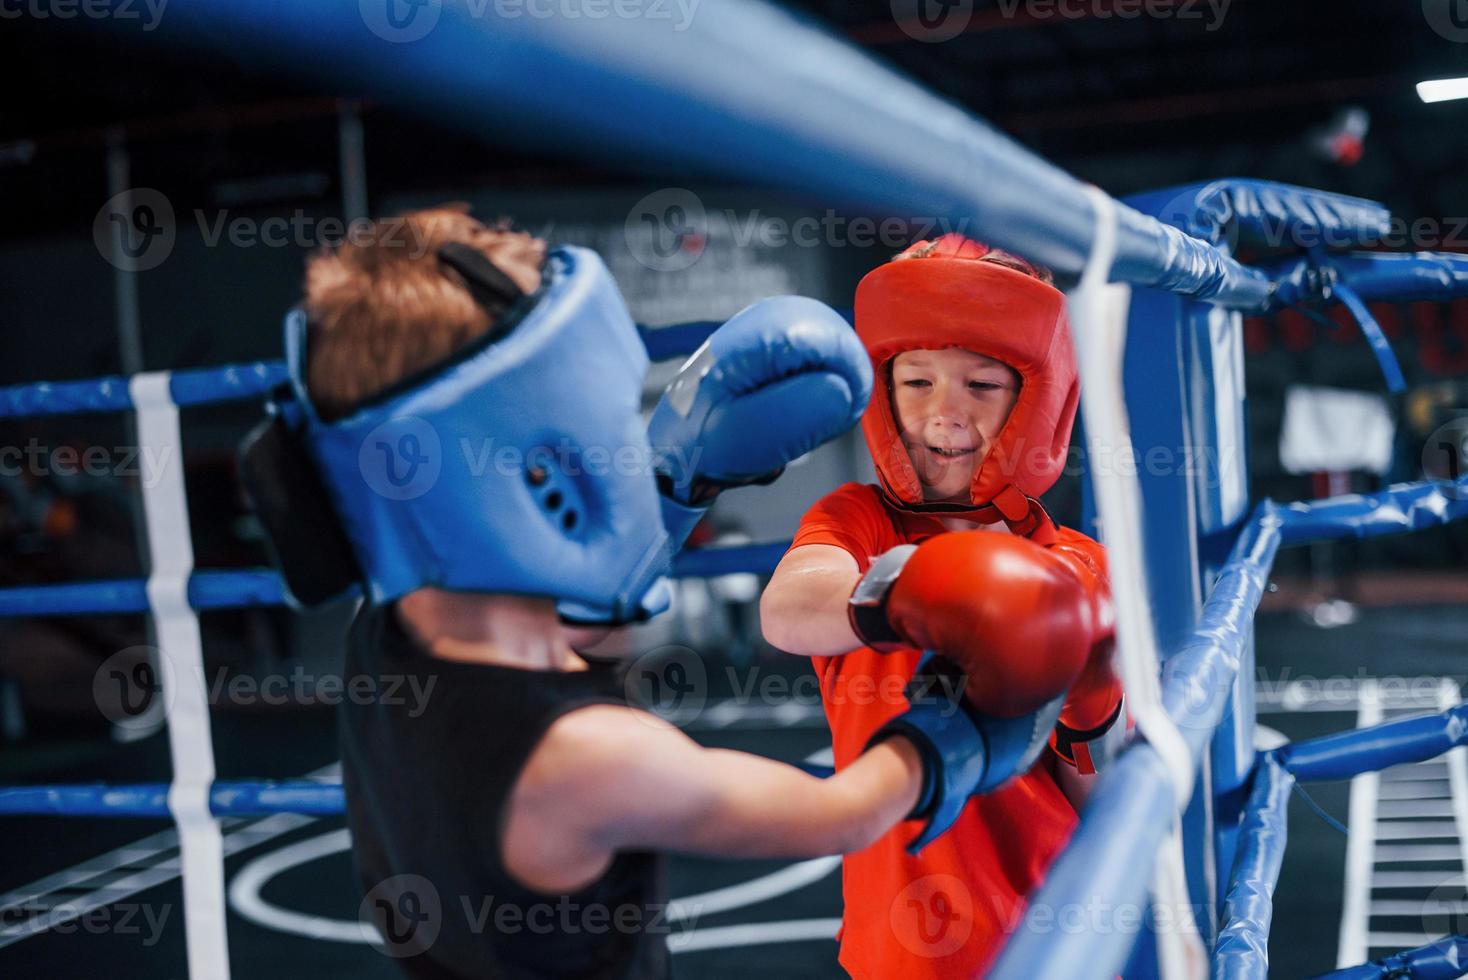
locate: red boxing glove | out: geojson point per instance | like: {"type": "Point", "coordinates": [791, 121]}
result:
{"type": "Point", "coordinates": [1091, 727]}
{"type": "Point", "coordinates": [1017, 619]}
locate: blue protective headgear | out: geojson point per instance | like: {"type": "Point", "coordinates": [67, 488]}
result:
{"type": "Point", "coordinates": [518, 466]}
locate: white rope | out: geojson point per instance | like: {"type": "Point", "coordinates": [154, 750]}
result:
{"type": "Point", "coordinates": [1098, 311]}
{"type": "Point", "coordinates": [171, 561]}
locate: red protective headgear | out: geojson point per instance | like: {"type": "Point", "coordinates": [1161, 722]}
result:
{"type": "Point", "coordinates": [947, 299]}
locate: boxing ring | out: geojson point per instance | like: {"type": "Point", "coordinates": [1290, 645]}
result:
{"type": "Point", "coordinates": [1154, 276]}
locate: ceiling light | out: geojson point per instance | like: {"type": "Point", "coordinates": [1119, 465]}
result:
{"type": "Point", "coordinates": [1443, 89]}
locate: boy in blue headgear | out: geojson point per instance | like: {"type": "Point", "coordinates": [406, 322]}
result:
{"type": "Point", "coordinates": [471, 408]}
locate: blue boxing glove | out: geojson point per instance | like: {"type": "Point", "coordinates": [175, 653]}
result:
{"type": "Point", "coordinates": [780, 378]}
{"type": "Point", "coordinates": [964, 753]}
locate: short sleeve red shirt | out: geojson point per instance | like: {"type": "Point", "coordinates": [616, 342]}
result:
{"type": "Point", "coordinates": [946, 912]}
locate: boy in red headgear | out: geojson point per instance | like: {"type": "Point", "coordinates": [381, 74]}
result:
{"type": "Point", "coordinates": [969, 423]}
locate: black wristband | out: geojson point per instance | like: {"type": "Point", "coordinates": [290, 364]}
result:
{"type": "Point", "coordinates": [871, 627]}
{"type": "Point", "coordinates": [867, 608]}
{"type": "Point", "coordinates": [1066, 738]}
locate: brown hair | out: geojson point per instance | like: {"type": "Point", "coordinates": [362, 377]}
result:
{"type": "Point", "coordinates": [383, 308]}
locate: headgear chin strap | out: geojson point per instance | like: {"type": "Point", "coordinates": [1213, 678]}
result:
{"type": "Point", "coordinates": [518, 466]}
{"type": "Point", "coordinates": [949, 299]}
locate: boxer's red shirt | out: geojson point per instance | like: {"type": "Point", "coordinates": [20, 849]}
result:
{"type": "Point", "coordinates": [948, 911]}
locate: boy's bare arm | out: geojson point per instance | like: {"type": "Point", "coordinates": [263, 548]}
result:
{"type": "Point", "coordinates": [610, 778]}
{"type": "Point", "coordinates": [804, 608]}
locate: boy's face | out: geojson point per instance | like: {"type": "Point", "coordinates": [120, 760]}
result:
{"type": "Point", "coordinates": [950, 406]}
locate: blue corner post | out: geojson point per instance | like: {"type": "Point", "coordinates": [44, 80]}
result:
{"type": "Point", "coordinates": [1185, 398]}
